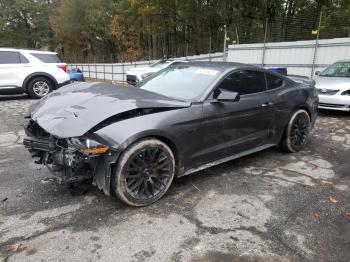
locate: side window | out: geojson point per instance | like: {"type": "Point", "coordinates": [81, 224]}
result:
{"type": "Point", "coordinates": [274, 81]}
{"type": "Point", "coordinates": [9, 57]}
{"type": "Point", "coordinates": [244, 82]}
{"type": "Point", "coordinates": [47, 58]}
{"type": "Point", "coordinates": [23, 59]}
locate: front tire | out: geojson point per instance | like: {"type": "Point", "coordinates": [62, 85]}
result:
{"type": "Point", "coordinates": [39, 87]}
{"type": "Point", "coordinates": [144, 172]}
{"type": "Point", "coordinates": [297, 131]}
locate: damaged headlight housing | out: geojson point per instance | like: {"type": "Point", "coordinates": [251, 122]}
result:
{"type": "Point", "coordinates": [88, 146]}
{"type": "Point", "coordinates": [346, 93]}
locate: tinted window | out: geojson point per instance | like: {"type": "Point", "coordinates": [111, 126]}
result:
{"type": "Point", "coordinates": [23, 59]}
{"type": "Point", "coordinates": [47, 58]}
{"type": "Point", "coordinates": [274, 81]}
{"type": "Point", "coordinates": [8, 57]}
{"type": "Point", "coordinates": [244, 82]}
{"type": "Point", "coordinates": [183, 82]}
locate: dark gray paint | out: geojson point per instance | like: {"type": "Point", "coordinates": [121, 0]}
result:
{"type": "Point", "coordinates": [201, 133]}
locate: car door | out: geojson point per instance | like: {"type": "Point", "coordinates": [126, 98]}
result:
{"type": "Point", "coordinates": [12, 67]}
{"type": "Point", "coordinates": [233, 127]}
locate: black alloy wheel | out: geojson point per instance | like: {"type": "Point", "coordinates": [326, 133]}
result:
{"type": "Point", "coordinates": [300, 130]}
{"type": "Point", "coordinates": [145, 172]}
{"type": "Point", "coordinates": [297, 132]}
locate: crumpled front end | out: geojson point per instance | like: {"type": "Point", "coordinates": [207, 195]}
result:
{"type": "Point", "coordinates": [72, 160]}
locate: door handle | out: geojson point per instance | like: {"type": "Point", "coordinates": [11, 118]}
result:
{"type": "Point", "coordinates": [267, 104]}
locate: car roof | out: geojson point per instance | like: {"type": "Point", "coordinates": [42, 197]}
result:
{"type": "Point", "coordinates": [26, 50]}
{"type": "Point", "coordinates": [220, 66]}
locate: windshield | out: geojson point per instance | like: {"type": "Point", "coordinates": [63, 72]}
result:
{"type": "Point", "coordinates": [182, 82]}
{"type": "Point", "coordinates": [161, 64]}
{"type": "Point", "coordinates": [339, 69]}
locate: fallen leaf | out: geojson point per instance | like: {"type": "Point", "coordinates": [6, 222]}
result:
{"type": "Point", "coordinates": [347, 215]}
{"type": "Point", "coordinates": [156, 211]}
{"type": "Point", "coordinates": [333, 200]}
{"type": "Point", "coordinates": [13, 248]}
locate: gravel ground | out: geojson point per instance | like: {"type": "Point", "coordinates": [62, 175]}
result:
{"type": "Point", "coordinates": [270, 206]}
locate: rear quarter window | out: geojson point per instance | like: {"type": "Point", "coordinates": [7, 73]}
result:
{"type": "Point", "coordinates": [47, 58]}
{"type": "Point", "coordinates": [274, 82]}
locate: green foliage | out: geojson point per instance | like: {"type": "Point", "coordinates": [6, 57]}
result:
{"type": "Point", "coordinates": [24, 23]}
{"type": "Point", "coordinates": [128, 30]}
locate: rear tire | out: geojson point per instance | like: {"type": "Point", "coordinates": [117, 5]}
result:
{"type": "Point", "coordinates": [144, 172]}
{"type": "Point", "coordinates": [296, 133]}
{"type": "Point", "coordinates": [39, 87]}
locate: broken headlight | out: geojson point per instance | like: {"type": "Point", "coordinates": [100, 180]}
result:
{"type": "Point", "coordinates": [88, 146]}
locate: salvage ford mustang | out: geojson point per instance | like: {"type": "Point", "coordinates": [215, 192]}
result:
{"type": "Point", "coordinates": [182, 119]}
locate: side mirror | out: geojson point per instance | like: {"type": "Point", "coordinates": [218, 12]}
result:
{"type": "Point", "coordinates": [227, 96]}
{"type": "Point", "coordinates": [317, 73]}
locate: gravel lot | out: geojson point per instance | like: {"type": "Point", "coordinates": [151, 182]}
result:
{"type": "Point", "coordinates": [269, 206]}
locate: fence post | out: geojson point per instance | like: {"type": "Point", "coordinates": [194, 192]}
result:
{"type": "Point", "coordinates": [96, 76]}
{"type": "Point", "coordinates": [123, 73]}
{"type": "Point", "coordinates": [225, 43]}
{"type": "Point", "coordinates": [104, 72]}
{"type": "Point", "coordinates": [316, 47]}
{"type": "Point", "coordinates": [264, 47]}
{"type": "Point", "coordinates": [112, 73]}
{"type": "Point", "coordinates": [89, 70]}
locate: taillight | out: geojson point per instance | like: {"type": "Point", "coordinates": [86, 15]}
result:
{"type": "Point", "coordinates": [63, 67]}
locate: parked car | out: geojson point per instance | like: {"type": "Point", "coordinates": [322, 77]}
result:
{"type": "Point", "coordinates": [36, 73]}
{"type": "Point", "coordinates": [333, 85]}
{"type": "Point", "coordinates": [135, 75]}
{"type": "Point", "coordinates": [179, 120]}
{"type": "Point", "coordinates": [76, 75]}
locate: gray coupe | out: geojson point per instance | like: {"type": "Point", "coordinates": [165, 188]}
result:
{"type": "Point", "coordinates": [182, 119]}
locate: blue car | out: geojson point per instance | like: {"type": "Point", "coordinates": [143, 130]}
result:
{"type": "Point", "coordinates": [76, 75]}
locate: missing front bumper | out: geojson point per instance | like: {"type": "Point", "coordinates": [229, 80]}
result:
{"type": "Point", "coordinates": [68, 165]}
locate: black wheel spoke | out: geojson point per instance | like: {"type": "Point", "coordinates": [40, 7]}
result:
{"type": "Point", "coordinates": [136, 185]}
{"type": "Point", "coordinates": [136, 175]}
{"type": "Point", "coordinates": [299, 129]}
{"type": "Point", "coordinates": [148, 172]}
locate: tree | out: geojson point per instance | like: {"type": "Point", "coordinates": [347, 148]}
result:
{"type": "Point", "coordinates": [24, 23]}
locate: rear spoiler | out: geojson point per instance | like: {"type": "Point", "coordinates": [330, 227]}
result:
{"type": "Point", "coordinates": [302, 80]}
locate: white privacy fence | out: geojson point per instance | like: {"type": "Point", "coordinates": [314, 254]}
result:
{"type": "Point", "coordinates": [299, 57]}
{"type": "Point", "coordinates": [117, 71]}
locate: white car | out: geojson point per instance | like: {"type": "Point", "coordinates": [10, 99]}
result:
{"type": "Point", "coordinates": [135, 75]}
{"type": "Point", "coordinates": [333, 86]}
{"type": "Point", "coordinates": [36, 73]}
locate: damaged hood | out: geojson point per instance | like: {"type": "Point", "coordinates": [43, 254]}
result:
{"type": "Point", "coordinates": [73, 110]}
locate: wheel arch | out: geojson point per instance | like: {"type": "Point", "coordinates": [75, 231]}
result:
{"type": "Point", "coordinates": [39, 74]}
{"type": "Point", "coordinates": [285, 124]}
{"type": "Point", "coordinates": [170, 142]}
{"type": "Point", "coordinates": [304, 107]}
